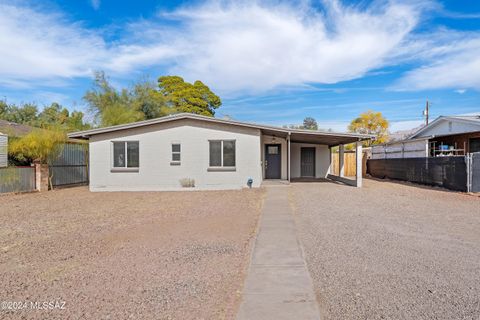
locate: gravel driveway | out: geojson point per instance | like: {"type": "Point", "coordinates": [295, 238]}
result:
{"type": "Point", "coordinates": [390, 250]}
{"type": "Point", "coordinates": [168, 255]}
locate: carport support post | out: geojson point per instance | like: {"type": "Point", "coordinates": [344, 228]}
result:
{"type": "Point", "coordinates": [288, 161]}
{"type": "Point", "coordinates": [331, 169]}
{"type": "Point", "coordinates": [341, 160]}
{"type": "Point", "coordinates": [359, 164]}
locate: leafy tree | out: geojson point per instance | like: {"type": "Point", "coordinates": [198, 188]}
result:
{"type": "Point", "coordinates": [109, 106]}
{"type": "Point", "coordinates": [3, 109]}
{"type": "Point", "coordinates": [112, 107]}
{"type": "Point", "coordinates": [186, 97]}
{"type": "Point", "coordinates": [56, 115]}
{"type": "Point", "coordinates": [118, 114]}
{"type": "Point", "coordinates": [147, 99]}
{"type": "Point", "coordinates": [53, 115]}
{"type": "Point", "coordinates": [310, 123]}
{"type": "Point", "coordinates": [38, 145]}
{"type": "Point", "coordinates": [26, 114]}
{"type": "Point", "coordinates": [76, 122]}
{"type": "Point", "coordinates": [371, 122]}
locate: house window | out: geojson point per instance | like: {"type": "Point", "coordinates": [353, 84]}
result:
{"type": "Point", "coordinates": [126, 154]}
{"type": "Point", "coordinates": [176, 149]}
{"type": "Point", "coordinates": [222, 153]}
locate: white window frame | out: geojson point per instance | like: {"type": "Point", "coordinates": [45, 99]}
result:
{"type": "Point", "coordinates": [125, 168]}
{"type": "Point", "coordinates": [222, 167]}
{"type": "Point", "coordinates": [175, 162]}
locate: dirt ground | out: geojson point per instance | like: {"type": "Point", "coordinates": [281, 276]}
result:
{"type": "Point", "coordinates": [390, 250]}
{"type": "Point", "coordinates": [170, 255]}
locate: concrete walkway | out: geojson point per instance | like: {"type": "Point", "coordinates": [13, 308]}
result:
{"type": "Point", "coordinates": [278, 285]}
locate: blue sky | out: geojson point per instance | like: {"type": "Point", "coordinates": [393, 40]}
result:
{"type": "Point", "coordinates": [271, 62]}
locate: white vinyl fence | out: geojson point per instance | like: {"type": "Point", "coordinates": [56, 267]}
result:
{"type": "Point", "coordinates": [415, 148]}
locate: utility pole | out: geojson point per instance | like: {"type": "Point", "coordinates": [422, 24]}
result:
{"type": "Point", "coordinates": [426, 114]}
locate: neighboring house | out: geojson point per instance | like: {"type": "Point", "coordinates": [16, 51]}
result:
{"type": "Point", "coordinates": [402, 134]}
{"type": "Point", "coordinates": [445, 136]}
{"type": "Point", "coordinates": [3, 150]}
{"type": "Point", "coordinates": [163, 153]}
{"type": "Point", "coordinates": [14, 129]}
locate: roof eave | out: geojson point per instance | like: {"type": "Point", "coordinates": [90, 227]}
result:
{"type": "Point", "coordinates": [434, 122]}
{"type": "Point", "coordinates": [86, 134]}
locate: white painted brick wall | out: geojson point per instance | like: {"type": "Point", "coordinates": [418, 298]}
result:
{"type": "Point", "coordinates": [155, 171]}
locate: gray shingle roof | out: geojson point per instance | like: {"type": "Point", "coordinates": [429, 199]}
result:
{"type": "Point", "coordinates": [14, 129]}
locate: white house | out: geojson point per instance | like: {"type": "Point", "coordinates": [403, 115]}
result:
{"type": "Point", "coordinates": [183, 150]}
{"type": "Point", "coordinates": [445, 136]}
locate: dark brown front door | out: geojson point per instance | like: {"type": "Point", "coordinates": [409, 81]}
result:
{"type": "Point", "coordinates": [273, 161]}
{"type": "Point", "coordinates": [307, 162]}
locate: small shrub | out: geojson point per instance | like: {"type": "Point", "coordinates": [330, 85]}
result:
{"type": "Point", "coordinates": [187, 183]}
{"type": "Point", "coordinates": [38, 145]}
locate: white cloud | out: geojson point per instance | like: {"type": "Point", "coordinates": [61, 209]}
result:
{"type": "Point", "coordinates": [95, 4]}
{"type": "Point", "coordinates": [232, 46]}
{"type": "Point", "coordinates": [451, 60]}
{"type": "Point", "coordinates": [461, 91]}
{"type": "Point", "coordinates": [129, 57]}
{"type": "Point", "coordinates": [46, 97]}
{"type": "Point", "coordinates": [247, 46]}
{"type": "Point", "coordinates": [36, 46]}
{"type": "Point", "coordinates": [242, 46]}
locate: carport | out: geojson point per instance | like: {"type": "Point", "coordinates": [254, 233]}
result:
{"type": "Point", "coordinates": [306, 155]}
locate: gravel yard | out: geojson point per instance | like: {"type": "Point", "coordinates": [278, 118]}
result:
{"type": "Point", "coordinates": [390, 250]}
{"type": "Point", "coordinates": [169, 255]}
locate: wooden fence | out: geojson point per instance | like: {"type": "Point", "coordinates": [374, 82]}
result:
{"type": "Point", "coordinates": [350, 160]}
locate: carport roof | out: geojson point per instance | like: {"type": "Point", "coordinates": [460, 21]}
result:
{"type": "Point", "coordinates": [333, 139]}
{"type": "Point", "coordinates": [296, 135]}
